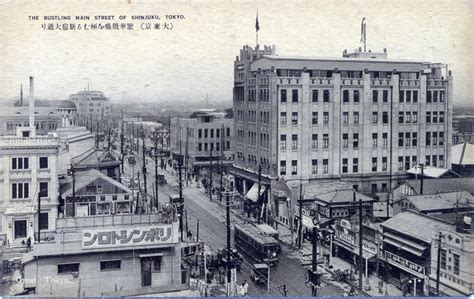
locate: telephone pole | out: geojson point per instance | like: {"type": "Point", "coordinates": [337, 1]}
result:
{"type": "Point", "coordinates": [39, 213]}
{"type": "Point", "coordinates": [210, 172]}
{"type": "Point", "coordinates": [229, 266]}
{"type": "Point", "coordinates": [422, 177]}
{"type": "Point", "coordinates": [361, 258]}
{"type": "Point", "coordinates": [221, 167]}
{"type": "Point", "coordinates": [259, 190]}
{"type": "Point", "coordinates": [156, 173]}
{"type": "Point", "coordinates": [145, 198]}
{"type": "Point", "coordinates": [181, 199]}
{"type": "Point", "coordinates": [121, 144]}
{"type": "Point", "coordinates": [314, 268]}
{"type": "Point", "coordinates": [438, 264]}
{"type": "Point", "coordinates": [300, 228]}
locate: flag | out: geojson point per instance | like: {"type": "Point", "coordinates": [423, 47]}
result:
{"type": "Point", "coordinates": [362, 29]}
{"type": "Point", "coordinates": [257, 26]}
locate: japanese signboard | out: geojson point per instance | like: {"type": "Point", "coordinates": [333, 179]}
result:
{"type": "Point", "coordinates": [345, 235]}
{"type": "Point", "coordinates": [136, 236]}
{"type": "Point", "coordinates": [405, 264]}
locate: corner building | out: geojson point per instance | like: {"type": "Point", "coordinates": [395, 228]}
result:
{"type": "Point", "coordinates": [362, 118]}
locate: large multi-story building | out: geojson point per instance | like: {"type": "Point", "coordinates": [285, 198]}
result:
{"type": "Point", "coordinates": [363, 118]}
{"type": "Point", "coordinates": [91, 103]}
{"type": "Point", "coordinates": [195, 137]}
{"type": "Point", "coordinates": [28, 183]}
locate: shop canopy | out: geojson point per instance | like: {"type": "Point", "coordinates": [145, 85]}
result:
{"type": "Point", "coordinates": [252, 194]}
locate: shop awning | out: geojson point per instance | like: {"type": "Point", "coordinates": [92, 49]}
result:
{"type": "Point", "coordinates": [405, 241]}
{"type": "Point", "coordinates": [252, 194]}
{"type": "Point", "coordinates": [365, 254]}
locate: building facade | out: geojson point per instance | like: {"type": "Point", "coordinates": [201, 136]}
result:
{"type": "Point", "coordinates": [91, 103]}
{"type": "Point", "coordinates": [195, 138]}
{"type": "Point", "coordinates": [358, 118]}
{"type": "Point", "coordinates": [11, 117]}
{"type": "Point", "coordinates": [28, 169]}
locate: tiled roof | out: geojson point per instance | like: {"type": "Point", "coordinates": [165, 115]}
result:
{"type": "Point", "coordinates": [416, 225]}
{"type": "Point", "coordinates": [93, 157]}
{"type": "Point", "coordinates": [429, 171]}
{"type": "Point", "coordinates": [87, 177]}
{"type": "Point", "coordinates": [342, 196]}
{"type": "Point", "coordinates": [442, 201]}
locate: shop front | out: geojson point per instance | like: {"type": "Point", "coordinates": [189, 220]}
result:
{"type": "Point", "coordinates": [407, 275]}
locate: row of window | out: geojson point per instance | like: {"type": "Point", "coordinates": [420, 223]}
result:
{"type": "Point", "coordinates": [51, 125]}
{"type": "Point", "coordinates": [210, 133]}
{"type": "Point", "coordinates": [294, 167]}
{"type": "Point", "coordinates": [434, 138]}
{"type": "Point", "coordinates": [210, 146]}
{"type": "Point", "coordinates": [456, 262]}
{"type": "Point", "coordinates": [21, 190]}
{"type": "Point", "coordinates": [109, 265]}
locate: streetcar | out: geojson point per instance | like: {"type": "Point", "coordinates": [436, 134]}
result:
{"type": "Point", "coordinates": [250, 240]}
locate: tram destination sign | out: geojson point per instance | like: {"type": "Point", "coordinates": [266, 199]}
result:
{"type": "Point", "coordinates": [134, 236]}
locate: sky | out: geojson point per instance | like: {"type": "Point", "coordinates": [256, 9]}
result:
{"type": "Point", "coordinates": [195, 58]}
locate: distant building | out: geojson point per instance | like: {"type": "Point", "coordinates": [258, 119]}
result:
{"type": "Point", "coordinates": [342, 203]}
{"type": "Point", "coordinates": [194, 138]}
{"type": "Point", "coordinates": [435, 203]}
{"type": "Point", "coordinates": [362, 118]}
{"type": "Point", "coordinates": [11, 117]}
{"type": "Point", "coordinates": [74, 142]}
{"type": "Point", "coordinates": [109, 255]}
{"type": "Point", "coordinates": [91, 103]}
{"type": "Point", "coordinates": [68, 112]}
{"type": "Point", "coordinates": [463, 159]}
{"type": "Point", "coordinates": [95, 194]}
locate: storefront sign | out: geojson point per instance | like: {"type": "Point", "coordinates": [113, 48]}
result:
{"type": "Point", "coordinates": [404, 264]}
{"type": "Point", "coordinates": [345, 235]}
{"type": "Point", "coordinates": [136, 236]}
{"type": "Point", "coordinates": [369, 246]}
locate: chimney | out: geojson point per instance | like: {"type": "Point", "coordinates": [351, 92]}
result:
{"type": "Point", "coordinates": [32, 102]}
{"type": "Point", "coordinates": [21, 95]}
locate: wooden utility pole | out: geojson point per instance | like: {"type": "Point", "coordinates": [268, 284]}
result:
{"type": "Point", "coordinates": [145, 198]}
{"type": "Point", "coordinates": [156, 172]}
{"type": "Point", "coordinates": [438, 264]}
{"type": "Point", "coordinates": [422, 177]}
{"type": "Point", "coordinates": [210, 175]}
{"type": "Point", "coordinates": [229, 266]}
{"type": "Point", "coordinates": [121, 143]}
{"type": "Point", "coordinates": [300, 226]}
{"type": "Point", "coordinates": [361, 258]}
{"type": "Point", "coordinates": [259, 191]}
{"type": "Point", "coordinates": [73, 172]}
{"type": "Point", "coordinates": [314, 262]}
{"type": "Point", "coordinates": [221, 167]}
{"type": "Point", "coordinates": [186, 156]}
{"type": "Point", "coordinates": [39, 214]}
{"type": "Point", "coordinates": [181, 199]}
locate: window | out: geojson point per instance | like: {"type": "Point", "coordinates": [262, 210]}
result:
{"type": "Point", "coordinates": [294, 95]}
{"type": "Point", "coordinates": [441, 160]}
{"type": "Point", "coordinates": [294, 167]}
{"type": "Point", "coordinates": [355, 141]}
{"type": "Point", "coordinates": [415, 96]}
{"type": "Point", "coordinates": [441, 96]}
{"type": "Point", "coordinates": [314, 141]}
{"type": "Point", "coordinates": [356, 96]}
{"type": "Point", "coordinates": [283, 118]}
{"type": "Point", "coordinates": [110, 265]}
{"type": "Point", "coordinates": [413, 160]}
{"type": "Point", "coordinates": [345, 96]}
{"type": "Point", "coordinates": [384, 187]}
{"type": "Point", "coordinates": [315, 118]}
{"type": "Point", "coordinates": [199, 146]}
{"type": "Point", "coordinates": [415, 117]}
{"type": "Point", "coordinates": [345, 118]}
{"type": "Point", "coordinates": [374, 188]}
{"type": "Point", "coordinates": [385, 96]}
{"type": "Point", "coordinates": [407, 117]}
{"type": "Point", "coordinates": [283, 142]}
{"type": "Point", "coordinates": [355, 165]}
{"type": "Point", "coordinates": [402, 96]}
{"type": "Point", "coordinates": [315, 96]}
{"type": "Point", "coordinates": [345, 140]}
{"type": "Point", "coordinates": [400, 163]}
{"type": "Point", "coordinates": [68, 268]}
{"type": "Point", "coordinates": [408, 97]}
{"type": "Point", "coordinates": [228, 132]}
{"type": "Point", "coordinates": [428, 96]}
{"type": "Point", "coordinates": [345, 165]}
{"type": "Point", "coordinates": [283, 95]}
{"type": "Point", "coordinates": [374, 164]}
{"type": "Point", "coordinates": [375, 118]}
{"type": "Point", "coordinates": [434, 139]}
{"type": "Point", "coordinates": [325, 141]}
{"type": "Point", "coordinates": [20, 190]}
{"type": "Point", "coordinates": [441, 138]}
{"type": "Point", "coordinates": [43, 221]}
{"type": "Point", "coordinates": [428, 138]}
{"type": "Point", "coordinates": [400, 139]}
{"type": "Point", "coordinates": [384, 140]}
{"type": "Point", "coordinates": [457, 262]}
{"type": "Point", "coordinates": [435, 96]}
{"type": "Point", "coordinates": [326, 95]}
{"type": "Point", "coordinates": [400, 117]}
{"type": "Point", "coordinates": [443, 259]}
{"type": "Point", "coordinates": [385, 117]}
{"type": "Point", "coordinates": [356, 117]}
{"type": "Point", "coordinates": [407, 162]}
{"type": "Point", "coordinates": [375, 96]}
{"type": "Point", "coordinates": [20, 163]}
{"type": "Point", "coordinates": [407, 139]}
{"type": "Point", "coordinates": [325, 166]}
{"type": "Point", "coordinates": [156, 263]}
{"type": "Point", "coordinates": [294, 141]}
{"type": "Point", "coordinates": [218, 133]}
{"type": "Point", "coordinates": [282, 167]}
{"type": "Point", "coordinates": [435, 117]}
{"type": "Point", "coordinates": [205, 133]}
{"type": "Point", "coordinates": [427, 160]}
{"type": "Point", "coordinates": [314, 166]}
{"type": "Point", "coordinates": [43, 162]}
{"type": "Point", "coordinates": [294, 118]}
{"type": "Point", "coordinates": [441, 116]}
{"type": "Point", "coordinates": [325, 118]}
{"type": "Point", "coordinates": [212, 133]}
{"type": "Point", "coordinates": [43, 186]}
{"type": "Point", "coordinates": [200, 133]}
{"type": "Point", "coordinates": [374, 140]}
{"type": "Point", "coordinates": [414, 139]}
{"type": "Point", "coordinates": [384, 163]}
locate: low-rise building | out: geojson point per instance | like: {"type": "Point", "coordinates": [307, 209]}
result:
{"type": "Point", "coordinates": [462, 157]}
{"type": "Point", "coordinates": [74, 141]}
{"type": "Point", "coordinates": [436, 203]}
{"type": "Point", "coordinates": [107, 256]}
{"type": "Point", "coordinates": [342, 203]}
{"type": "Point", "coordinates": [105, 161]}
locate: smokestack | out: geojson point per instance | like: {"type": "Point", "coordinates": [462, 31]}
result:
{"type": "Point", "coordinates": [32, 102]}
{"type": "Point", "coordinates": [21, 95]}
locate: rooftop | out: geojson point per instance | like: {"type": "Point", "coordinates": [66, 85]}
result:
{"type": "Point", "coordinates": [84, 178]}
{"type": "Point", "coordinates": [66, 104]}
{"type": "Point", "coordinates": [416, 225]}
{"type": "Point", "coordinates": [463, 154]}
{"type": "Point", "coordinates": [95, 157]}
{"type": "Point", "coordinates": [442, 201]}
{"type": "Point", "coordinates": [434, 186]}
{"type": "Point", "coordinates": [430, 171]}
{"type": "Point", "coordinates": [342, 196]}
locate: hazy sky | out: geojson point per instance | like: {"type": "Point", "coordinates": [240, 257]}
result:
{"type": "Point", "coordinates": [196, 57]}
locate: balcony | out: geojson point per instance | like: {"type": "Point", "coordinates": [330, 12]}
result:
{"type": "Point", "coordinates": [289, 80]}
{"type": "Point", "coordinates": [263, 81]}
{"type": "Point", "coordinates": [436, 82]}
{"type": "Point", "coordinates": [380, 82]}
{"type": "Point", "coordinates": [410, 82]}
{"type": "Point", "coordinates": [113, 220]}
{"type": "Point", "coordinates": [12, 141]}
{"type": "Point", "coordinates": [320, 81]}
{"type": "Point", "coordinates": [352, 81]}
{"type": "Point", "coordinates": [252, 81]}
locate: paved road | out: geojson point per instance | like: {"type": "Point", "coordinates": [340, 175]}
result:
{"type": "Point", "coordinates": [212, 231]}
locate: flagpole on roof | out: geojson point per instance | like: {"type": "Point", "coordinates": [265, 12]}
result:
{"type": "Point", "coordinates": [257, 27]}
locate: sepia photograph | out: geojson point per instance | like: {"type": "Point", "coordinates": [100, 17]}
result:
{"type": "Point", "coordinates": [205, 148]}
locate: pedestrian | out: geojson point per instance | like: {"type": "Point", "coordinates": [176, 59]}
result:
{"type": "Point", "coordinates": [245, 288]}
{"type": "Point", "coordinates": [380, 286]}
